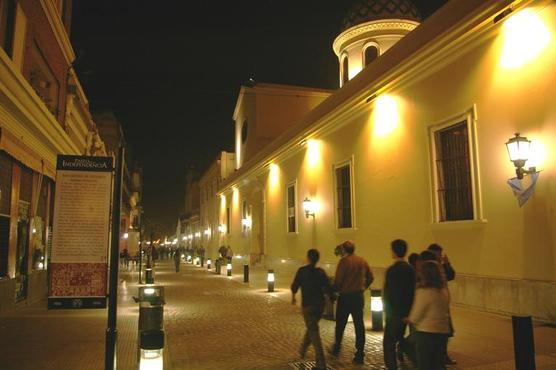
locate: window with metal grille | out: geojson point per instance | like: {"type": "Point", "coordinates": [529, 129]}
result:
{"type": "Point", "coordinates": [453, 168]}
{"type": "Point", "coordinates": [371, 53]}
{"type": "Point", "coordinates": [292, 211]}
{"type": "Point", "coordinates": [343, 196]}
{"type": "Point", "coordinates": [5, 183]}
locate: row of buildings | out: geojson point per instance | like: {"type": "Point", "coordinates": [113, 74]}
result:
{"type": "Point", "coordinates": [419, 142]}
{"type": "Point", "coordinates": [44, 112]}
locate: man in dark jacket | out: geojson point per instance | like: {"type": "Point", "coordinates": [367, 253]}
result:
{"type": "Point", "coordinates": [399, 290]}
{"type": "Point", "coordinates": [314, 283]}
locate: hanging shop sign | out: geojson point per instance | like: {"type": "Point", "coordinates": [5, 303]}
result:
{"type": "Point", "coordinates": [79, 259]}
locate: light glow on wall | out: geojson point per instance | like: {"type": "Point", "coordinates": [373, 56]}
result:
{"type": "Point", "coordinates": [313, 152]}
{"type": "Point", "coordinates": [537, 154]}
{"type": "Point", "coordinates": [235, 197]}
{"type": "Point", "coordinates": [386, 115]}
{"type": "Point", "coordinates": [525, 37]}
{"type": "Point", "coordinates": [273, 175]}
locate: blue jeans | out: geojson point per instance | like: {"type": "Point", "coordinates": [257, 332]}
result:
{"type": "Point", "coordinates": [351, 303]}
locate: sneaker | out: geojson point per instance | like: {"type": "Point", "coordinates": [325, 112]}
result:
{"type": "Point", "coordinates": [450, 361]}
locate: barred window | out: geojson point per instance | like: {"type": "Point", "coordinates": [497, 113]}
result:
{"type": "Point", "coordinates": [453, 168]}
{"type": "Point", "coordinates": [343, 196]}
{"type": "Point", "coordinates": [292, 211]}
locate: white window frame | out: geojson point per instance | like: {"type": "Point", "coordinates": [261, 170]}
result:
{"type": "Point", "coordinates": [296, 215]}
{"type": "Point", "coordinates": [469, 116]}
{"type": "Point", "coordinates": [348, 162]}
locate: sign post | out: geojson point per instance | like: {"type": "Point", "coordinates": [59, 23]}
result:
{"type": "Point", "coordinates": [78, 265]}
{"type": "Point", "coordinates": [111, 331]}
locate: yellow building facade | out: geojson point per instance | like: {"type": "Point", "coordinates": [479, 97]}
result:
{"type": "Point", "coordinates": [413, 147]}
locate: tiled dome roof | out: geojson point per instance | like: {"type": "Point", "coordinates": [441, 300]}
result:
{"type": "Point", "coordinates": [371, 10]}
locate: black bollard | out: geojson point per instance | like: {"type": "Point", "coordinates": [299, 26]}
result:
{"type": "Point", "coordinates": [217, 267]}
{"type": "Point", "coordinates": [524, 343]}
{"type": "Point", "coordinates": [246, 273]}
{"type": "Point", "coordinates": [376, 310]}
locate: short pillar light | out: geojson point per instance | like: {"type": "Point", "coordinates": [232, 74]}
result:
{"type": "Point", "coordinates": [209, 264]}
{"type": "Point", "coordinates": [270, 280]}
{"type": "Point", "coordinates": [309, 207]}
{"type": "Point", "coordinates": [188, 258]}
{"type": "Point", "coordinates": [229, 269]}
{"type": "Point", "coordinates": [519, 151]}
{"type": "Point", "coordinates": [376, 310]}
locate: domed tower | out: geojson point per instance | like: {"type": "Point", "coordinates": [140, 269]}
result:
{"type": "Point", "coordinates": [369, 28]}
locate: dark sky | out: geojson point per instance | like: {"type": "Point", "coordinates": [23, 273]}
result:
{"type": "Point", "coordinates": [171, 71]}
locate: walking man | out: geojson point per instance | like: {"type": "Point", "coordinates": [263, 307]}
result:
{"type": "Point", "coordinates": [399, 290]}
{"type": "Point", "coordinates": [177, 259]}
{"type": "Point", "coordinates": [353, 277]}
{"type": "Point", "coordinates": [314, 283]}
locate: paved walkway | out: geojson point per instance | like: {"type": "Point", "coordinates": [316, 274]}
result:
{"type": "Point", "coordinates": [216, 322]}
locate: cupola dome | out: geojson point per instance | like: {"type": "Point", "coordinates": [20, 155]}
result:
{"type": "Point", "coordinates": [369, 28]}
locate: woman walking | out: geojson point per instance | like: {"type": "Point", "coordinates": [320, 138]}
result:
{"type": "Point", "coordinates": [430, 315]}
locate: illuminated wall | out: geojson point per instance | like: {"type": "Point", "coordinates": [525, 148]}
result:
{"type": "Point", "coordinates": [503, 255]}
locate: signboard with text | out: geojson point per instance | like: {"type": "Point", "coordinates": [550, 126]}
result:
{"type": "Point", "coordinates": [79, 258]}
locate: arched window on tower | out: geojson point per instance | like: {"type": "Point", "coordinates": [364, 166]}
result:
{"type": "Point", "coordinates": [371, 53]}
{"type": "Point", "coordinates": [345, 70]}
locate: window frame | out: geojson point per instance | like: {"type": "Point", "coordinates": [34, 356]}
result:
{"type": "Point", "coordinates": [470, 117]}
{"type": "Point", "coordinates": [344, 69]}
{"type": "Point", "coordinates": [349, 162]}
{"type": "Point", "coordinates": [295, 208]}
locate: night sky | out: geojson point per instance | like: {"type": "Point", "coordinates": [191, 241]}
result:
{"type": "Point", "coordinates": [171, 71]}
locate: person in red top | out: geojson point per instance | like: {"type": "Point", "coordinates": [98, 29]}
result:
{"type": "Point", "coordinates": [353, 277]}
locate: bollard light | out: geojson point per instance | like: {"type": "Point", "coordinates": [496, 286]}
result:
{"type": "Point", "coordinates": [229, 269]}
{"type": "Point", "coordinates": [148, 291]}
{"type": "Point", "coordinates": [196, 261]}
{"type": "Point", "coordinates": [188, 258]}
{"type": "Point", "coordinates": [151, 359]}
{"type": "Point", "coordinates": [246, 273]}
{"type": "Point", "coordinates": [209, 264]}
{"type": "Point", "coordinates": [376, 309]}
{"type": "Point", "coordinates": [270, 280]}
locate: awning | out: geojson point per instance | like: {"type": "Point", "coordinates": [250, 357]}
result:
{"type": "Point", "coordinates": [15, 147]}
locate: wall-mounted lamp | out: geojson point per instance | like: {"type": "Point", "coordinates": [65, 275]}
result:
{"type": "Point", "coordinates": [247, 222]}
{"type": "Point", "coordinates": [309, 208]}
{"type": "Point", "coordinates": [126, 235]}
{"type": "Point", "coordinates": [221, 228]}
{"type": "Point", "coordinates": [519, 150]}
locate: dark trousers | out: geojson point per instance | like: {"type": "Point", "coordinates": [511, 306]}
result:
{"type": "Point", "coordinates": [312, 316]}
{"type": "Point", "coordinates": [429, 348]}
{"type": "Point", "coordinates": [351, 303]}
{"type": "Point", "coordinates": [394, 331]}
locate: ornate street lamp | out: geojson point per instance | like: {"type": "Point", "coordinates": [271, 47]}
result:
{"type": "Point", "coordinates": [519, 151]}
{"type": "Point", "coordinates": [309, 208]}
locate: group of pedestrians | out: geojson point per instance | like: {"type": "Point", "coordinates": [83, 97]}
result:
{"type": "Point", "coordinates": [415, 295]}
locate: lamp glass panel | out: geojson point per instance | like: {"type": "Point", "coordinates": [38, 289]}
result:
{"type": "Point", "coordinates": [519, 149]}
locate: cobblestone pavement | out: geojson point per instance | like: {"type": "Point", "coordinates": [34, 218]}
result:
{"type": "Point", "coordinates": [34, 338]}
{"type": "Point", "coordinates": [216, 322]}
